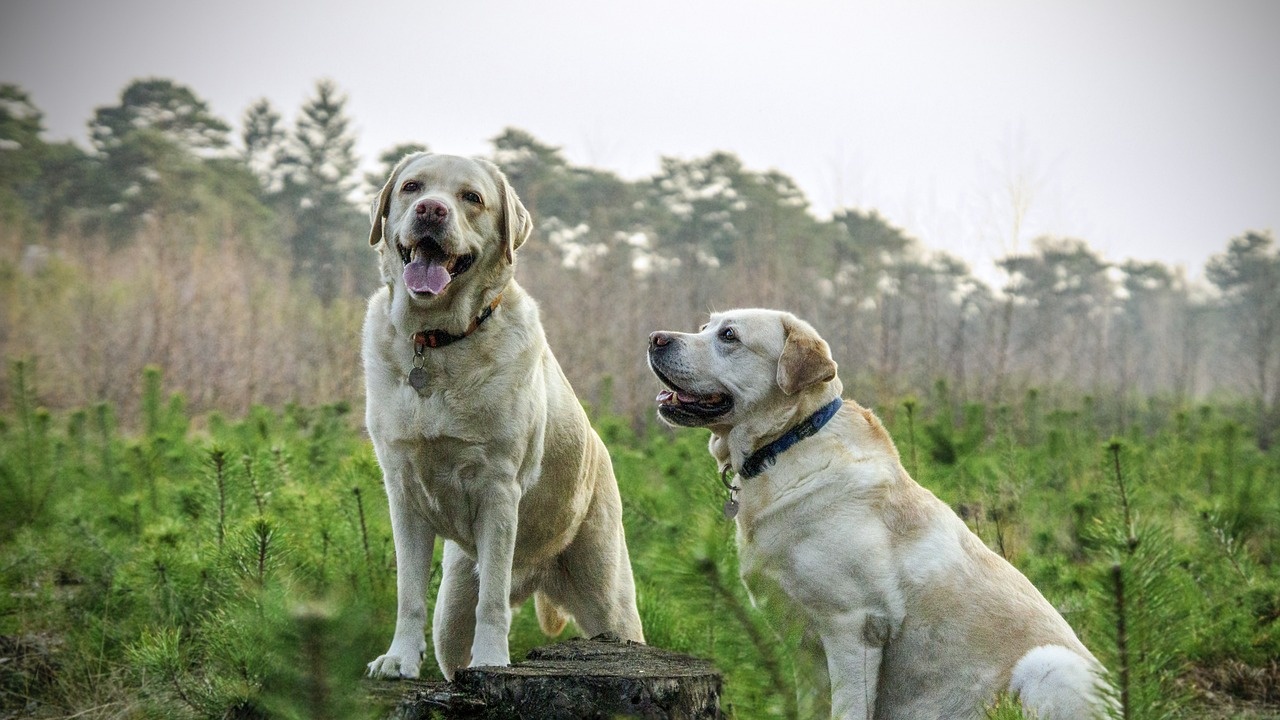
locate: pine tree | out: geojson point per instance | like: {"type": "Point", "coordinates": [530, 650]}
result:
{"type": "Point", "coordinates": [264, 150]}
{"type": "Point", "coordinates": [164, 107]}
{"type": "Point", "coordinates": [1248, 274]}
{"type": "Point", "coordinates": [20, 128]}
{"type": "Point", "coordinates": [320, 178]}
{"type": "Point", "coordinates": [323, 146]}
{"type": "Point", "coordinates": [149, 152]}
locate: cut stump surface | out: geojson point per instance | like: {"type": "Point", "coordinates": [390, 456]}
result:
{"type": "Point", "coordinates": [580, 679]}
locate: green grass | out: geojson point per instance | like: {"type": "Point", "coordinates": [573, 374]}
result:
{"type": "Point", "coordinates": [243, 568]}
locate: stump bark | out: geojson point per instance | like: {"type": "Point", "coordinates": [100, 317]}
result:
{"type": "Point", "coordinates": [579, 679]}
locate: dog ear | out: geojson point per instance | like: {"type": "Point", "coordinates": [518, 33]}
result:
{"type": "Point", "coordinates": [805, 360]}
{"type": "Point", "coordinates": [382, 203]}
{"type": "Point", "coordinates": [515, 223]}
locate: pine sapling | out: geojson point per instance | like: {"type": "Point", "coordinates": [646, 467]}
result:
{"type": "Point", "coordinates": [218, 458]}
{"type": "Point", "coordinates": [1143, 585]}
{"type": "Point", "coordinates": [1226, 542]}
{"type": "Point", "coordinates": [1131, 539]}
{"type": "Point", "coordinates": [105, 422]}
{"type": "Point", "coordinates": [364, 537]}
{"type": "Point", "coordinates": [767, 649]}
{"type": "Point", "coordinates": [312, 621]}
{"type": "Point", "coordinates": [258, 498]}
{"type": "Point", "coordinates": [36, 423]}
{"type": "Point", "coordinates": [1117, 583]}
{"type": "Point", "coordinates": [1122, 637]}
{"type": "Point", "coordinates": [282, 465]}
{"type": "Point", "coordinates": [997, 515]}
{"type": "Point", "coordinates": [151, 391]}
{"type": "Point", "coordinates": [910, 405]}
{"type": "Point", "coordinates": [263, 535]}
{"type": "Point", "coordinates": [324, 558]}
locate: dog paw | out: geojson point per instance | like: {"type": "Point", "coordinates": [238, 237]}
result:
{"type": "Point", "coordinates": [497, 658]}
{"type": "Point", "coordinates": [489, 647]}
{"type": "Point", "coordinates": [394, 667]}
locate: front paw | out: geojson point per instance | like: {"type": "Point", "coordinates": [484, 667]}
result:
{"type": "Point", "coordinates": [395, 665]}
{"type": "Point", "coordinates": [490, 646]}
{"type": "Point", "coordinates": [494, 660]}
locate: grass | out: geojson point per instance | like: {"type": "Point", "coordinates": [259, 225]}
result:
{"type": "Point", "coordinates": [243, 568]}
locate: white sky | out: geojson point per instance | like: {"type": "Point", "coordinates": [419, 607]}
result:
{"type": "Point", "coordinates": [1149, 128]}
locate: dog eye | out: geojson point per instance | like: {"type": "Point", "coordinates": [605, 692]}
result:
{"type": "Point", "coordinates": [411, 186]}
{"type": "Point", "coordinates": [728, 335]}
{"type": "Point", "coordinates": [472, 197]}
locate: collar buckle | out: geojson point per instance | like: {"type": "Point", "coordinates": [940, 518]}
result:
{"type": "Point", "coordinates": [730, 505]}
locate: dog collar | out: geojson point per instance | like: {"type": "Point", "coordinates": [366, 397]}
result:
{"type": "Point", "coordinates": [768, 455]}
{"type": "Point", "coordinates": [424, 339]}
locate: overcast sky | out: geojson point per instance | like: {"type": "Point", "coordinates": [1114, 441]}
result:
{"type": "Point", "coordinates": [1148, 128]}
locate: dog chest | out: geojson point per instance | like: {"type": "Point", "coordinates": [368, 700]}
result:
{"type": "Point", "coordinates": [467, 405]}
{"type": "Point", "coordinates": [828, 566]}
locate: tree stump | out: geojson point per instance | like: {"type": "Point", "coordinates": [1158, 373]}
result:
{"type": "Point", "coordinates": [573, 680]}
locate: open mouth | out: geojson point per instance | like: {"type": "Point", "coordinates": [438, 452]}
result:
{"type": "Point", "coordinates": [686, 408]}
{"type": "Point", "coordinates": [428, 269]}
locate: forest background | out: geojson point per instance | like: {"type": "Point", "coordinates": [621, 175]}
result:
{"type": "Point", "coordinates": [235, 263]}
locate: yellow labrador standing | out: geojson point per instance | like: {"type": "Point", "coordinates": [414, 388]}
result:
{"type": "Point", "coordinates": [480, 438]}
{"type": "Point", "coordinates": [910, 614]}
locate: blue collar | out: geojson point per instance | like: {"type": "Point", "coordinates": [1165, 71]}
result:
{"type": "Point", "coordinates": [767, 455]}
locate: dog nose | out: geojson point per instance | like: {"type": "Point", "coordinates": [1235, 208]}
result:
{"type": "Point", "coordinates": [432, 210]}
{"type": "Point", "coordinates": [658, 340]}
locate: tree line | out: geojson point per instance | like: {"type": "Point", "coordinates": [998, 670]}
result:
{"type": "Point", "coordinates": [238, 264]}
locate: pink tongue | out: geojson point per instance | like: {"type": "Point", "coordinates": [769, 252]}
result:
{"type": "Point", "coordinates": [426, 277]}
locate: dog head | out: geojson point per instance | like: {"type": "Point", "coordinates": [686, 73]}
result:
{"type": "Point", "coordinates": [742, 364]}
{"type": "Point", "coordinates": [443, 221]}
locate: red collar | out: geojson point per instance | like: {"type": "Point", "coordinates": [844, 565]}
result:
{"type": "Point", "coordinates": [424, 339]}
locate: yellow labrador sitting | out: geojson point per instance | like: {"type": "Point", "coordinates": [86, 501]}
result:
{"type": "Point", "coordinates": [480, 438]}
{"type": "Point", "coordinates": [909, 613]}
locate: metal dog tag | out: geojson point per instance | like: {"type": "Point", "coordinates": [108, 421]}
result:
{"type": "Point", "coordinates": [730, 509]}
{"type": "Point", "coordinates": [418, 379]}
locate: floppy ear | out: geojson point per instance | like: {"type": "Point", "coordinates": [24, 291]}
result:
{"type": "Point", "coordinates": [382, 204]}
{"type": "Point", "coordinates": [515, 223]}
{"type": "Point", "coordinates": [805, 360]}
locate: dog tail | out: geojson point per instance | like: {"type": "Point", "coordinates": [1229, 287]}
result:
{"type": "Point", "coordinates": [550, 618]}
{"type": "Point", "coordinates": [1056, 683]}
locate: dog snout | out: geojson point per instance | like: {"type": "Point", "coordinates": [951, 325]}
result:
{"type": "Point", "coordinates": [659, 340]}
{"type": "Point", "coordinates": [432, 211]}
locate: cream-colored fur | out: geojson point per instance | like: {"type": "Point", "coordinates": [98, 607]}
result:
{"type": "Point", "coordinates": [908, 613]}
{"type": "Point", "coordinates": [496, 455]}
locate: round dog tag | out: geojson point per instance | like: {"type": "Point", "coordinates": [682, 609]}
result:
{"type": "Point", "coordinates": [730, 509]}
{"type": "Point", "coordinates": [418, 378]}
